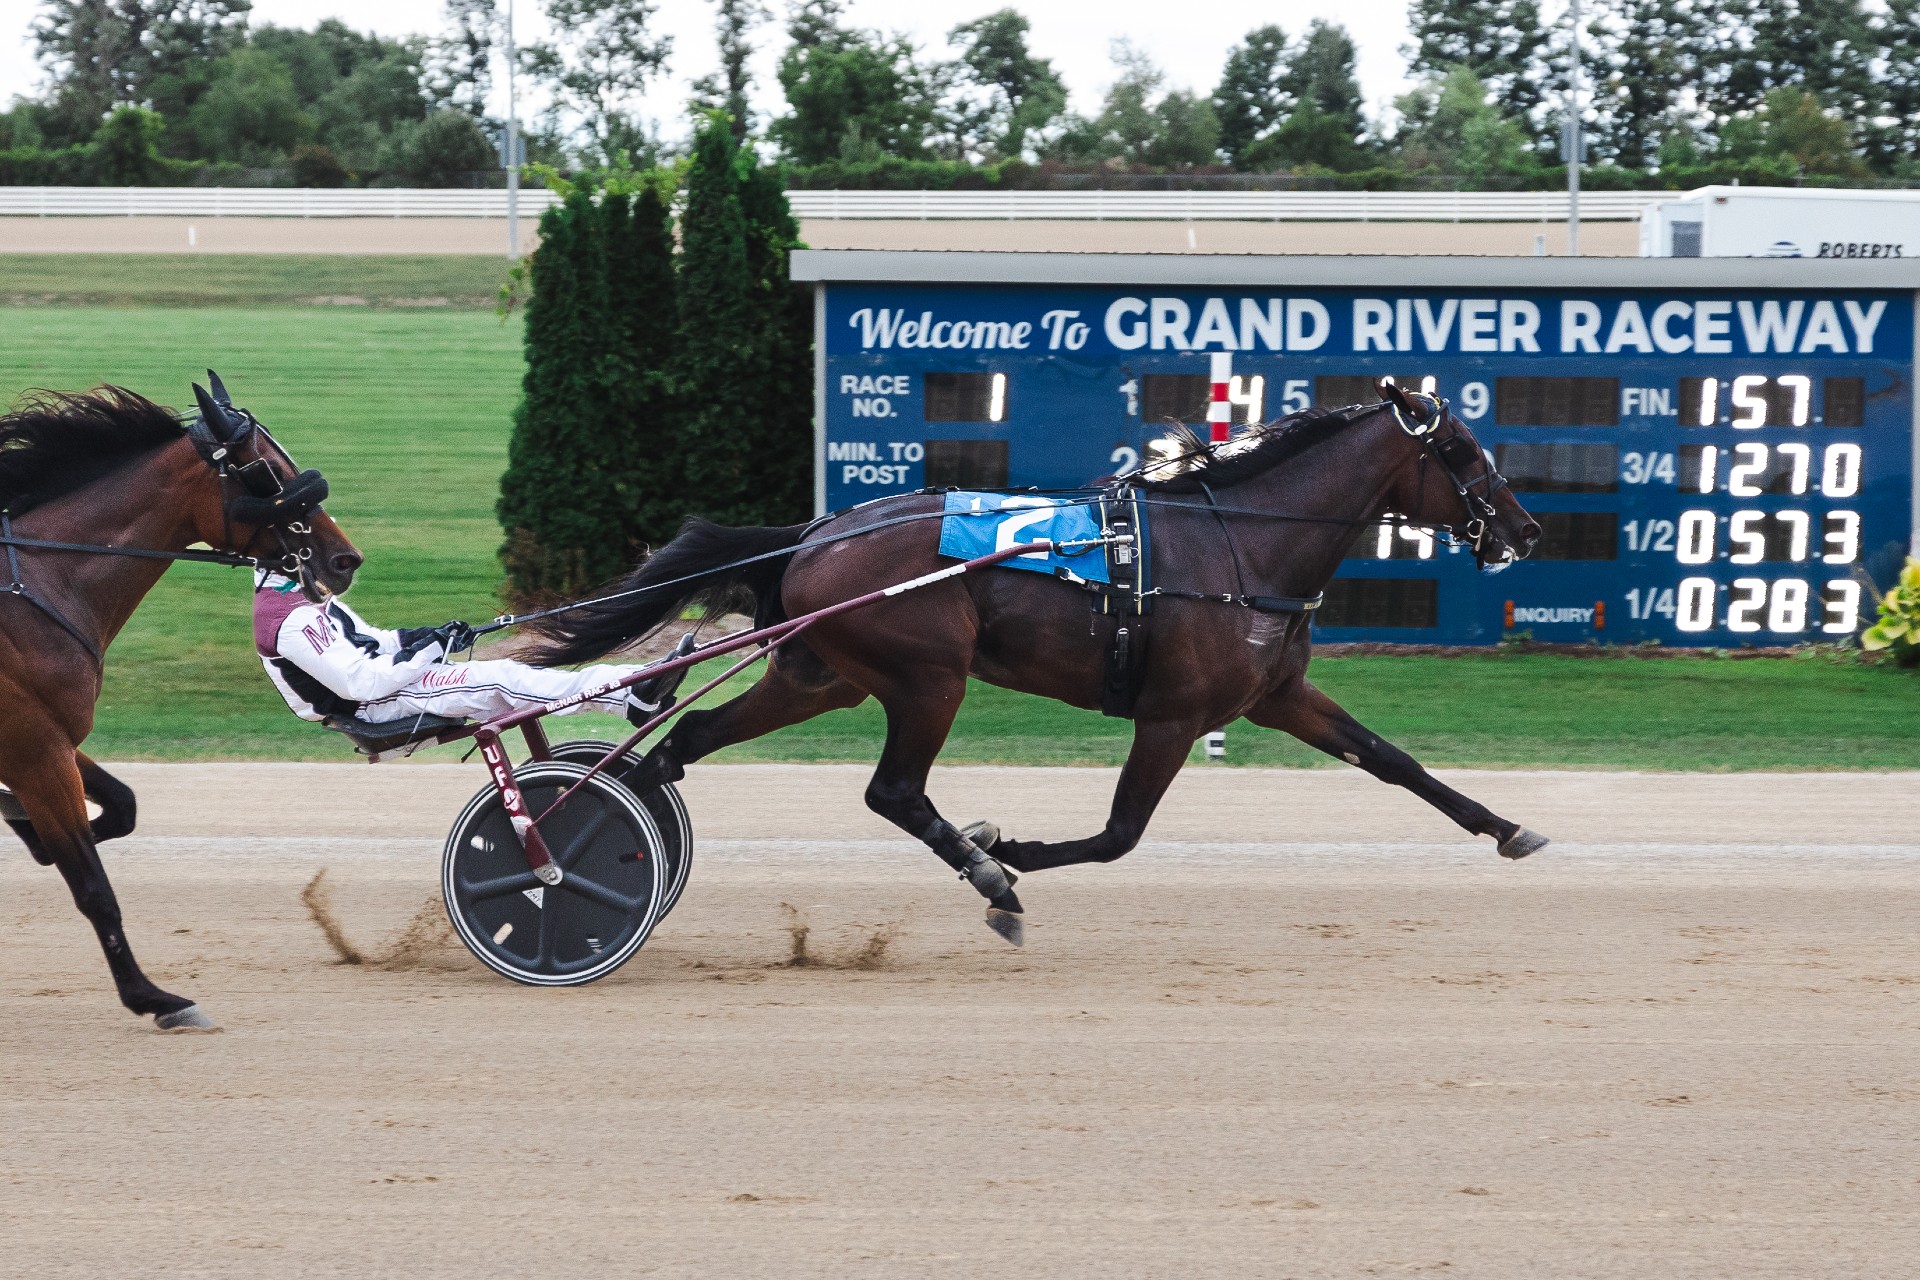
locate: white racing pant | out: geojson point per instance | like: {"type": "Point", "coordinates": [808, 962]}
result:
{"type": "Point", "coordinates": [493, 687]}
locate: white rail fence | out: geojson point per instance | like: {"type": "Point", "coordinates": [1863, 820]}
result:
{"type": "Point", "coordinates": [263, 202]}
{"type": "Point", "coordinates": [1158, 206]}
{"type": "Point", "coordinates": [1246, 206]}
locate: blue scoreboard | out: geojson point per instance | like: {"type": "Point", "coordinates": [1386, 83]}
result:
{"type": "Point", "coordinates": [1720, 451]}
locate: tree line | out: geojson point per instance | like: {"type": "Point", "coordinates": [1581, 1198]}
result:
{"type": "Point", "coordinates": [1677, 92]}
{"type": "Point", "coordinates": [1674, 92]}
{"type": "Point", "coordinates": [161, 92]}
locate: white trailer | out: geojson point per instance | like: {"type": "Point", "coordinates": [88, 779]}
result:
{"type": "Point", "coordinates": [1782, 222]}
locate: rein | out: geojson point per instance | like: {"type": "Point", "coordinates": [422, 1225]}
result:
{"type": "Point", "coordinates": [506, 620]}
{"type": "Point", "coordinates": [1421, 427]}
{"type": "Point", "coordinates": [18, 586]}
{"type": "Point", "coordinates": [228, 559]}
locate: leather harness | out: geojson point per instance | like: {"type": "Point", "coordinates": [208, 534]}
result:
{"type": "Point", "coordinates": [1127, 595]}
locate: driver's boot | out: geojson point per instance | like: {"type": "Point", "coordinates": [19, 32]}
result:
{"type": "Point", "coordinates": [649, 698]}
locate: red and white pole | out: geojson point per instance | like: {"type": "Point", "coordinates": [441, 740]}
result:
{"type": "Point", "coordinates": [1220, 430]}
{"type": "Point", "coordinates": [1219, 408]}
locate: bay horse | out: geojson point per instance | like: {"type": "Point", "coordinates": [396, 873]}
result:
{"type": "Point", "coordinates": [99, 492]}
{"type": "Point", "coordinates": [1266, 517]}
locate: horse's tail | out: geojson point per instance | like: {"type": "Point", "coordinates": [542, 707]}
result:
{"type": "Point", "coordinates": [701, 565]}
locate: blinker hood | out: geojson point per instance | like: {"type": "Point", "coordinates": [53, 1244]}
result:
{"type": "Point", "coordinates": [223, 422]}
{"type": "Point", "coordinates": [265, 501]}
{"type": "Point", "coordinates": [305, 492]}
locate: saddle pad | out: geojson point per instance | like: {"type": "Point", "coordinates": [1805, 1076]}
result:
{"type": "Point", "coordinates": [979, 524]}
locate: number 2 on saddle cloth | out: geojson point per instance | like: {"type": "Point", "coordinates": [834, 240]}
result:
{"type": "Point", "coordinates": [978, 524]}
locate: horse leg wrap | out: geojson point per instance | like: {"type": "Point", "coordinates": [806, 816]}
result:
{"type": "Point", "coordinates": [991, 880]}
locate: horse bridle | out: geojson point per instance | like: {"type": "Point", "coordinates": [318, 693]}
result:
{"type": "Point", "coordinates": [264, 501]}
{"type": "Point", "coordinates": [1425, 417]}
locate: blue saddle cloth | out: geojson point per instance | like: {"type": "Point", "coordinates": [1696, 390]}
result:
{"type": "Point", "coordinates": [979, 524]}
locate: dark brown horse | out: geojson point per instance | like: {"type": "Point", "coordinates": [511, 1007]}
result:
{"type": "Point", "coordinates": [123, 487]}
{"type": "Point", "coordinates": [1265, 517]}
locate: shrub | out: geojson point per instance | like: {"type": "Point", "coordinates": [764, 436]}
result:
{"type": "Point", "coordinates": [781, 471]}
{"type": "Point", "coordinates": [560, 536]}
{"type": "Point", "coordinates": [315, 165]}
{"type": "Point", "coordinates": [641, 299]}
{"type": "Point", "coordinates": [439, 151]}
{"type": "Point", "coordinates": [593, 454]}
{"type": "Point", "coordinates": [126, 149]}
{"type": "Point", "coordinates": [721, 407]}
{"type": "Point", "coordinates": [889, 173]}
{"type": "Point", "coordinates": [744, 368]}
{"type": "Point", "coordinates": [47, 167]}
{"type": "Point", "coordinates": [1898, 629]}
{"type": "Point", "coordinates": [123, 152]}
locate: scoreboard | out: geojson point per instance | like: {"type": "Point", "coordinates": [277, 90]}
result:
{"type": "Point", "coordinates": [1720, 452]}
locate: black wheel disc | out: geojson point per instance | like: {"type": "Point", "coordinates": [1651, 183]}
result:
{"type": "Point", "coordinates": [663, 804]}
{"type": "Point", "coordinates": [613, 879]}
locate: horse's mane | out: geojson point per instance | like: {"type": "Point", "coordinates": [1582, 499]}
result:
{"type": "Point", "coordinates": [1193, 462]}
{"type": "Point", "coordinates": [56, 442]}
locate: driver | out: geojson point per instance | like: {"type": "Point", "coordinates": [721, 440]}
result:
{"type": "Point", "coordinates": [327, 662]}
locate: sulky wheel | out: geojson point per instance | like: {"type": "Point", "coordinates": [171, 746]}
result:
{"type": "Point", "coordinates": [608, 898]}
{"type": "Point", "coordinates": [664, 805]}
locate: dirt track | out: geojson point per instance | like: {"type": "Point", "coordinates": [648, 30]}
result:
{"type": "Point", "coordinates": [1304, 1031]}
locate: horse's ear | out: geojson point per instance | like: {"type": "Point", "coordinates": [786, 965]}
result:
{"type": "Point", "coordinates": [209, 411]}
{"type": "Point", "coordinates": [222, 423]}
{"type": "Point", "coordinates": [1390, 392]}
{"type": "Point", "coordinates": [220, 395]}
{"type": "Point", "coordinates": [1418, 412]}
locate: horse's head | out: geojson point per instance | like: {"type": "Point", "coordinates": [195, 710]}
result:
{"type": "Point", "coordinates": [1453, 485]}
{"type": "Point", "coordinates": [267, 506]}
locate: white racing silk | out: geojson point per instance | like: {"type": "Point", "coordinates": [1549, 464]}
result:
{"type": "Point", "coordinates": [326, 660]}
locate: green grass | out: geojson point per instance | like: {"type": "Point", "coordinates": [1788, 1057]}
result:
{"type": "Point", "coordinates": [407, 412]}
{"type": "Point", "coordinates": [250, 280]}
{"type": "Point", "coordinates": [1496, 710]}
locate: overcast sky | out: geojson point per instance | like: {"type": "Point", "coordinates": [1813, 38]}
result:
{"type": "Point", "coordinates": [1188, 39]}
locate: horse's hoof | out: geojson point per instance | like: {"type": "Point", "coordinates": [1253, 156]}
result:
{"type": "Point", "coordinates": [1008, 925]}
{"type": "Point", "coordinates": [1521, 843]}
{"type": "Point", "coordinates": [191, 1018]}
